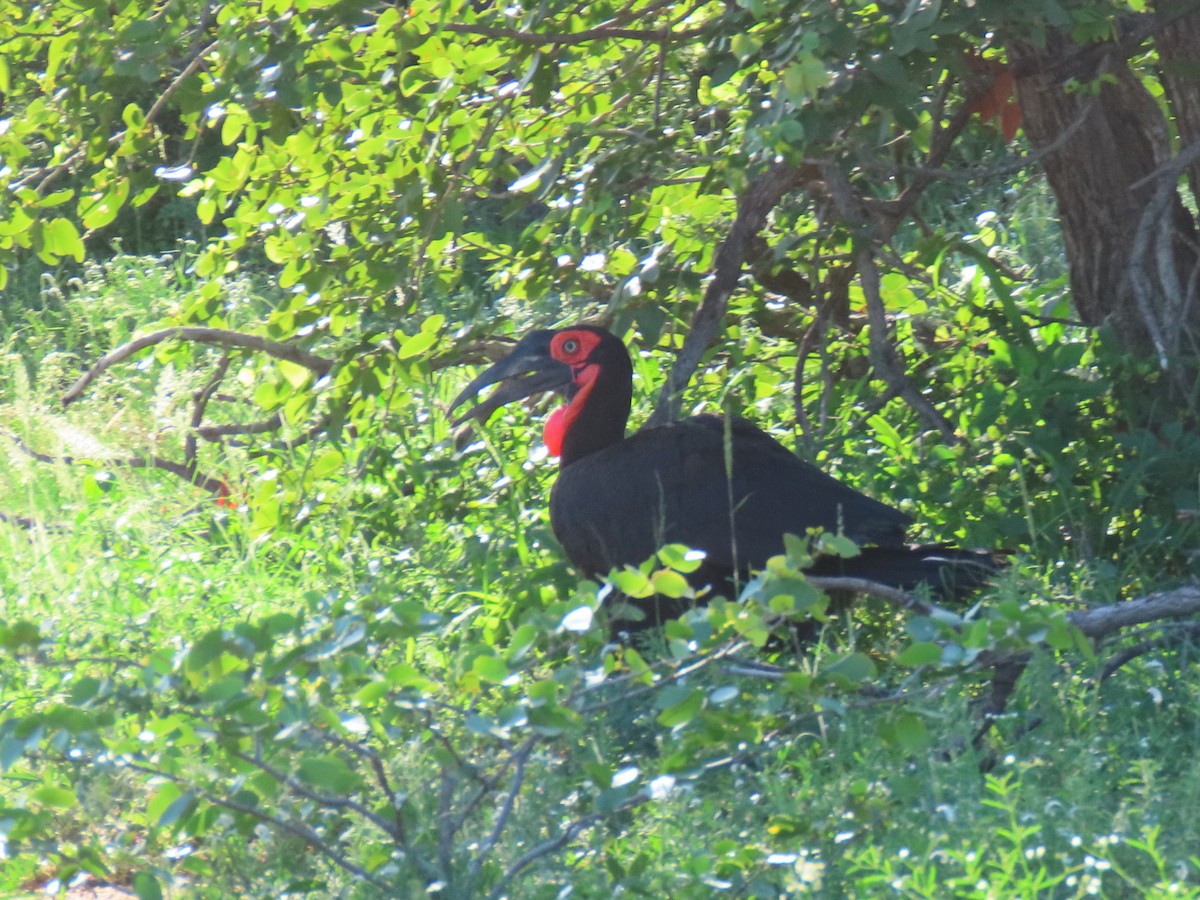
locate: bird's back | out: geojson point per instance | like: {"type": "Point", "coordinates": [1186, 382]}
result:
{"type": "Point", "coordinates": [672, 485]}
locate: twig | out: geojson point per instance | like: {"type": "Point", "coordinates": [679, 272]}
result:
{"type": "Point", "coordinates": [329, 801]}
{"type": "Point", "coordinates": [521, 757]}
{"type": "Point", "coordinates": [200, 404]}
{"type": "Point", "coordinates": [115, 141]}
{"type": "Point", "coordinates": [895, 596]}
{"type": "Point", "coordinates": [445, 824]}
{"type": "Point", "coordinates": [1129, 654]}
{"type": "Point", "coordinates": [569, 832]}
{"type": "Point", "coordinates": [571, 38]}
{"type": "Point", "coordinates": [218, 433]}
{"type": "Point", "coordinates": [318, 365]}
{"type": "Point", "coordinates": [883, 353]}
{"type": "Point", "coordinates": [302, 831]}
{"type": "Point", "coordinates": [188, 473]}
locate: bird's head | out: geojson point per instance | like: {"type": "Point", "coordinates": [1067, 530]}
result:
{"type": "Point", "coordinates": [588, 365]}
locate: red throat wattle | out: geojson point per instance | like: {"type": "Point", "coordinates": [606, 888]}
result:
{"type": "Point", "coordinates": [555, 430]}
{"type": "Point", "coordinates": [561, 420]}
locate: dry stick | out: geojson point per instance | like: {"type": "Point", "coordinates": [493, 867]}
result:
{"type": "Point", "coordinates": [318, 365]}
{"type": "Point", "coordinates": [763, 194]}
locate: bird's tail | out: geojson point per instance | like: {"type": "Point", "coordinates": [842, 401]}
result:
{"type": "Point", "coordinates": [949, 573]}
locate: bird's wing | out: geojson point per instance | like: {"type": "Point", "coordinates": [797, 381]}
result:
{"type": "Point", "coordinates": [671, 485]}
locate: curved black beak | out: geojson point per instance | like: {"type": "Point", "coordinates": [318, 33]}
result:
{"type": "Point", "coordinates": [528, 370]}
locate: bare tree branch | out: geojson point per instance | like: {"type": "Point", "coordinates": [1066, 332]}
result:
{"type": "Point", "coordinates": [199, 405]}
{"type": "Point", "coordinates": [521, 757]}
{"type": "Point", "coordinates": [895, 596]}
{"type": "Point", "coordinates": [328, 801]}
{"type": "Point", "coordinates": [188, 473]}
{"type": "Point", "coordinates": [318, 365]}
{"type": "Point", "coordinates": [1141, 648]}
{"type": "Point", "coordinates": [1101, 621]}
{"type": "Point", "coordinates": [883, 352]}
{"type": "Point", "coordinates": [755, 204]}
{"type": "Point", "coordinates": [217, 433]}
{"type": "Point", "coordinates": [301, 831]}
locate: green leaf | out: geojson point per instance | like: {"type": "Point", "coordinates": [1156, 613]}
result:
{"type": "Point", "coordinates": [11, 750]}
{"type": "Point", "coordinates": [921, 654]}
{"type": "Point", "coordinates": [797, 548]}
{"type": "Point", "coordinates": [853, 669]}
{"type": "Point", "coordinates": [669, 584]}
{"type": "Point", "coordinates": [681, 558]}
{"type": "Point", "coordinates": [53, 795]}
{"type": "Point", "coordinates": [906, 730]}
{"type": "Point", "coordinates": [418, 344]}
{"type": "Point", "coordinates": [632, 582]}
{"type": "Point", "coordinates": [100, 207]}
{"type": "Point", "coordinates": [170, 804]}
{"type": "Point", "coordinates": [147, 887]}
{"type": "Point", "coordinates": [403, 675]}
{"type": "Point", "coordinates": [682, 712]}
{"type": "Point", "coordinates": [329, 773]}
{"type": "Point", "coordinates": [61, 238]}
{"type": "Point", "coordinates": [133, 116]}
{"type": "Point", "coordinates": [490, 668]}
{"type": "Point", "coordinates": [837, 545]}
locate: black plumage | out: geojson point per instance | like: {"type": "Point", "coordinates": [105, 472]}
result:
{"type": "Point", "coordinates": [716, 484]}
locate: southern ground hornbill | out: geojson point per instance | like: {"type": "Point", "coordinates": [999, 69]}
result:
{"type": "Point", "coordinates": [714, 484]}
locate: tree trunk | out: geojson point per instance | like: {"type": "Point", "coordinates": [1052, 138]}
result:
{"type": "Point", "coordinates": [1107, 152]}
{"type": "Point", "coordinates": [1178, 47]}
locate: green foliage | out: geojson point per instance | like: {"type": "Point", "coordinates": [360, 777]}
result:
{"type": "Point", "coordinates": [369, 672]}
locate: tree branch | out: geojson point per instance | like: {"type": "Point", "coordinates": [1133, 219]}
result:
{"type": "Point", "coordinates": [755, 204]}
{"type": "Point", "coordinates": [187, 472]}
{"type": "Point", "coordinates": [551, 38]}
{"type": "Point", "coordinates": [318, 365]}
{"type": "Point", "coordinates": [1101, 621]}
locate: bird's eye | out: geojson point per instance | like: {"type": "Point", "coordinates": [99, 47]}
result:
{"type": "Point", "coordinates": [570, 345]}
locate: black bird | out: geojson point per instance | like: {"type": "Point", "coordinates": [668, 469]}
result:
{"type": "Point", "coordinates": [711, 483]}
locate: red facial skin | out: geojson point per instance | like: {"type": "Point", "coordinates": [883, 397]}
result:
{"type": "Point", "coordinates": [572, 348]}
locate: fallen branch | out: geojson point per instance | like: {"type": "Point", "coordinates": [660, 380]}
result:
{"type": "Point", "coordinates": [1102, 621]}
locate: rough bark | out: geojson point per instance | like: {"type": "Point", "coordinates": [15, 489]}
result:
{"type": "Point", "coordinates": [1130, 240]}
{"type": "Point", "coordinates": [1178, 46]}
